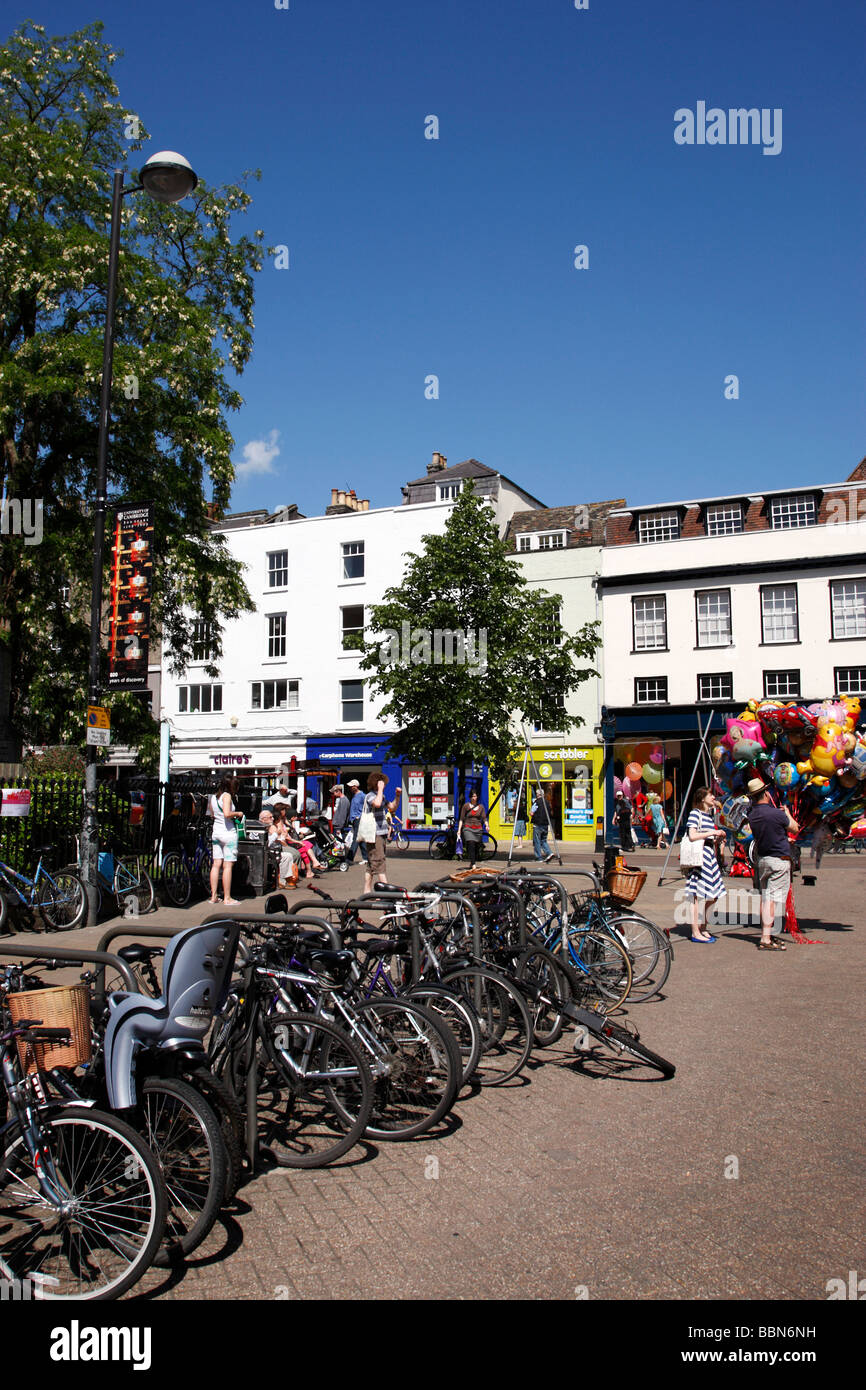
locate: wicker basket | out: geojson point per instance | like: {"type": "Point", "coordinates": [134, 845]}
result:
{"type": "Point", "coordinates": [625, 884]}
{"type": "Point", "coordinates": [67, 1006]}
{"type": "Point", "coordinates": [461, 875]}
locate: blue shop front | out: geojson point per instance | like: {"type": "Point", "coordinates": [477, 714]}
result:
{"type": "Point", "coordinates": [428, 789]}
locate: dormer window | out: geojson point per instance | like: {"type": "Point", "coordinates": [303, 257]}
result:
{"type": "Point", "coordinates": [658, 526]}
{"type": "Point", "coordinates": [449, 491]}
{"type": "Point", "coordinates": [543, 540]}
{"type": "Point", "coordinates": [725, 519]}
{"type": "Point", "coordinates": [797, 509]}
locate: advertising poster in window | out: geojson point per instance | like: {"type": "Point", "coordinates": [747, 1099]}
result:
{"type": "Point", "coordinates": [129, 597]}
{"type": "Point", "coordinates": [440, 807]}
{"type": "Point", "coordinates": [439, 778]}
{"type": "Point", "coordinates": [415, 793]}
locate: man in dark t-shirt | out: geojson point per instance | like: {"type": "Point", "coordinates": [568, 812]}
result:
{"type": "Point", "coordinates": [770, 825]}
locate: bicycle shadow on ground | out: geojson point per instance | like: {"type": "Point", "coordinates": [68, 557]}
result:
{"type": "Point", "coordinates": [600, 1065]}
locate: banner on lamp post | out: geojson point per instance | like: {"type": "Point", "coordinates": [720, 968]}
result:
{"type": "Point", "coordinates": [129, 597]}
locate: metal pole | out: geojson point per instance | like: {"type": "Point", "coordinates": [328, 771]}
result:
{"type": "Point", "coordinates": [90, 826]}
{"type": "Point", "coordinates": [517, 807]}
{"type": "Point", "coordinates": [685, 799]}
{"type": "Point", "coordinates": [529, 751]}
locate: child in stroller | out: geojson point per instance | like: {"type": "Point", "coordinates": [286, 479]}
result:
{"type": "Point", "coordinates": [330, 850]}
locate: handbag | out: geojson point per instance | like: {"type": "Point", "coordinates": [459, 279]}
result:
{"type": "Point", "coordinates": [691, 853]}
{"type": "Point", "coordinates": [367, 827]}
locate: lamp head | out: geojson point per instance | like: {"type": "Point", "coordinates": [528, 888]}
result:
{"type": "Point", "coordinates": [167, 177]}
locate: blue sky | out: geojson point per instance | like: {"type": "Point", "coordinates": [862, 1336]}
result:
{"type": "Point", "coordinates": [411, 257]}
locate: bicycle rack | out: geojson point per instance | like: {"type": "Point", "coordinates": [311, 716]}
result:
{"type": "Point", "coordinates": [75, 957]}
{"type": "Point", "coordinates": [497, 881]}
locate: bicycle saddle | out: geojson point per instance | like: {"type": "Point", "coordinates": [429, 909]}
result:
{"type": "Point", "coordinates": [195, 980]}
{"type": "Point", "coordinates": [137, 951]}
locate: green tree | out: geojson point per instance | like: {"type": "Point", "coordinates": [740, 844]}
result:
{"type": "Point", "coordinates": [183, 332]}
{"type": "Point", "coordinates": [517, 662]}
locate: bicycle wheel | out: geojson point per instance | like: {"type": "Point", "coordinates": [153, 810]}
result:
{"type": "Point", "coordinates": [461, 1018]}
{"type": "Point", "coordinates": [506, 1025]}
{"type": "Point", "coordinates": [231, 1122]}
{"type": "Point", "coordinates": [401, 840]}
{"type": "Point", "coordinates": [651, 955]}
{"type": "Point", "coordinates": [176, 879]}
{"type": "Point", "coordinates": [619, 1040]}
{"type": "Point", "coordinates": [133, 888]}
{"type": "Point", "coordinates": [184, 1134]}
{"type": "Point", "coordinates": [116, 1210]}
{"type": "Point", "coordinates": [4, 910]}
{"type": "Point", "coordinates": [204, 867]}
{"type": "Point", "coordinates": [440, 846]}
{"type": "Point", "coordinates": [62, 901]}
{"type": "Point", "coordinates": [487, 848]}
{"type": "Point", "coordinates": [315, 1092]}
{"type": "Point", "coordinates": [601, 965]}
{"type": "Point", "coordinates": [551, 986]}
{"type": "Point", "coordinates": [424, 1067]}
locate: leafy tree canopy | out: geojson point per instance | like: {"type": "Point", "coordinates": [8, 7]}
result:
{"type": "Point", "coordinates": [183, 331]}
{"type": "Point", "coordinates": [517, 660]}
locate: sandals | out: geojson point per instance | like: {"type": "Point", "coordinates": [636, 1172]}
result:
{"type": "Point", "coordinates": [771, 946]}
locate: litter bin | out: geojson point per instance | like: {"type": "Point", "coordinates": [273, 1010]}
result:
{"type": "Point", "coordinates": [251, 868]}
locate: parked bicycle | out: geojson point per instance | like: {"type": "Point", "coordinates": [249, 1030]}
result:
{"type": "Point", "coordinates": [59, 898]}
{"type": "Point", "coordinates": [443, 844]}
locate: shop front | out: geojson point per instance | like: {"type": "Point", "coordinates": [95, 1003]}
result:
{"type": "Point", "coordinates": [572, 777]}
{"type": "Point", "coordinates": [654, 754]}
{"type": "Point", "coordinates": [428, 789]}
{"type": "Point", "coordinates": [256, 763]}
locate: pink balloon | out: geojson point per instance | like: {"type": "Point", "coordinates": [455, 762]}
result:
{"type": "Point", "coordinates": [657, 756]}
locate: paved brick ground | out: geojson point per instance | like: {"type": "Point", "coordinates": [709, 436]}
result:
{"type": "Point", "coordinates": [600, 1177]}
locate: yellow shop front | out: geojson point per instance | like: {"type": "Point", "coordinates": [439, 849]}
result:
{"type": "Point", "coordinates": [573, 784]}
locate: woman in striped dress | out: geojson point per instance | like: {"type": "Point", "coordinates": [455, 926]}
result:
{"type": "Point", "coordinates": [704, 885]}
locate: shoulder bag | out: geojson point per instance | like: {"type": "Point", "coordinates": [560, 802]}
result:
{"type": "Point", "coordinates": [691, 852]}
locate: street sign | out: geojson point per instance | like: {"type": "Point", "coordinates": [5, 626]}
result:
{"type": "Point", "coordinates": [102, 737]}
{"type": "Point", "coordinates": [98, 718]}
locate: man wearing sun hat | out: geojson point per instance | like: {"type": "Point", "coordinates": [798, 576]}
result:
{"type": "Point", "coordinates": [770, 825]}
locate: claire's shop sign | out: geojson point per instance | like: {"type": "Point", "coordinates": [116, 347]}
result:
{"type": "Point", "coordinates": [231, 759]}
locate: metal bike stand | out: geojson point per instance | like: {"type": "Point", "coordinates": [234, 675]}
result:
{"type": "Point", "coordinates": [71, 956]}
{"type": "Point", "coordinates": [114, 932]}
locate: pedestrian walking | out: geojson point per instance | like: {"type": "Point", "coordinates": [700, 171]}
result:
{"type": "Point", "coordinates": [704, 885]}
{"type": "Point", "coordinates": [375, 804]}
{"type": "Point", "coordinates": [770, 825]}
{"type": "Point", "coordinates": [472, 826]}
{"type": "Point", "coordinates": [540, 819]}
{"type": "Point", "coordinates": [341, 813]}
{"type": "Point", "coordinates": [356, 806]}
{"type": "Point", "coordinates": [622, 814]}
{"type": "Point", "coordinates": [659, 824]}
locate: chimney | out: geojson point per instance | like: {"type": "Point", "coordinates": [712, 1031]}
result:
{"type": "Point", "coordinates": [439, 462]}
{"type": "Point", "coordinates": [343, 501]}
{"type": "Point", "coordinates": [333, 497]}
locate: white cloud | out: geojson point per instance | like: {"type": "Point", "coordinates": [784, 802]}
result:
{"type": "Point", "coordinates": [258, 456]}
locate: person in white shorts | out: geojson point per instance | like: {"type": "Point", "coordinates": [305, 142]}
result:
{"type": "Point", "coordinates": [225, 840]}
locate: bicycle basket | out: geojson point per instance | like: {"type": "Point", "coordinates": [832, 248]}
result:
{"type": "Point", "coordinates": [625, 884]}
{"type": "Point", "coordinates": [64, 1006]}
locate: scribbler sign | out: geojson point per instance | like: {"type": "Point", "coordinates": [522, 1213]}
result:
{"type": "Point", "coordinates": [130, 593]}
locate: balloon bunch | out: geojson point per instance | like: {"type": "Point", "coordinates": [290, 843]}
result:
{"type": "Point", "coordinates": [643, 764]}
{"type": "Point", "coordinates": [813, 754]}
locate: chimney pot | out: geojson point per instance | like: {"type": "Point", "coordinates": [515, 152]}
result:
{"type": "Point", "coordinates": [333, 497]}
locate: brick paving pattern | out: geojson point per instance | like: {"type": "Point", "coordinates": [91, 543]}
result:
{"type": "Point", "coordinates": [598, 1179]}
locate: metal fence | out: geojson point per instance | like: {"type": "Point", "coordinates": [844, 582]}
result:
{"type": "Point", "coordinates": [140, 816]}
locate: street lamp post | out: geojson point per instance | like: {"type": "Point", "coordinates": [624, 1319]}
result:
{"type": "Point", "coordinates": [167, 178]}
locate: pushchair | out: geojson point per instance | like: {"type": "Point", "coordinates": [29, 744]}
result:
{"type": "Point", "coordinates": [330, 849]}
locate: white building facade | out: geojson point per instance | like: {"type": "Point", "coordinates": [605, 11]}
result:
{"type": "Point", "coordinates": [707, 604]}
